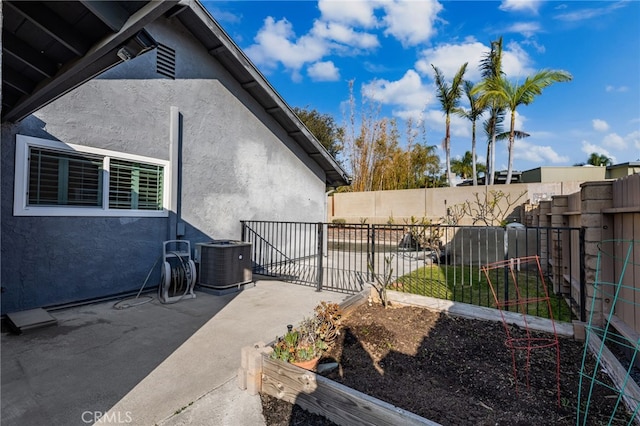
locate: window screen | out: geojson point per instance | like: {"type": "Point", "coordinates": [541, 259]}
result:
{"type": "Point", "coordinates": [64, 179]}
{"type": "Point", "coordinates": [135, 186]}
{"type": "Point", "coordinates": [58, 178]}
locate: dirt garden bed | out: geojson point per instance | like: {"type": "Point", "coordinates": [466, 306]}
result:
{"type": "Point", "coordinates": [453, 371]}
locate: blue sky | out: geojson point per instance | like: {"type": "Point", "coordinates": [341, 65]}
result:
{"type": "Point", "coordinates": [310, 50]}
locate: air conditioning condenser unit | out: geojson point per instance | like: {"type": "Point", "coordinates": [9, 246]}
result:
{"type": "Point", "coordinates": [224, 266]}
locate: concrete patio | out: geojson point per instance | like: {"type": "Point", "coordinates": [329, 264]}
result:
{"type": "Point", "coordinates": [148, 364]}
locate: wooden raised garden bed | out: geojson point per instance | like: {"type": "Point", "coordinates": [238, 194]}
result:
{"type": "Point", "coordinates": [342, 404]}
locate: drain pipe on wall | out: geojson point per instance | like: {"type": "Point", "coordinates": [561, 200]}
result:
{"type": "Point", "coordinates": [175, 227]}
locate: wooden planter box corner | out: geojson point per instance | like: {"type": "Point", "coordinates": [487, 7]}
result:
{"type": "Point", "coordinates": [319, 395]}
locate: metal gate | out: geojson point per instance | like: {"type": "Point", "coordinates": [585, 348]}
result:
{"type": "Point", "coordinates": [429, 259]}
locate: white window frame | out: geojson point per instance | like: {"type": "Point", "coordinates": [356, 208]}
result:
{"type": "Point", "coordinates": [21, 183]}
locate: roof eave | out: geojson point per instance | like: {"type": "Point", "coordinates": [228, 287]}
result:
{"type": "Point", "coordinates": [99, 58]}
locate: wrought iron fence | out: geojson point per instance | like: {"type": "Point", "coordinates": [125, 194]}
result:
{"type": "Point", "coordinates": [428, 259]}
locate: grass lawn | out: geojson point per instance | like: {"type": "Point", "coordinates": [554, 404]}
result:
{"type": "Point", "coordinates": [468, 284]}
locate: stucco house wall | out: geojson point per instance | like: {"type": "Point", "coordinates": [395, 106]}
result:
{"type": "Point", "coordinates": [229, 160]}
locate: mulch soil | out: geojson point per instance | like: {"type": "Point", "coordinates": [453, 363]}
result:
{"type": "Point", "coordinates": [455, 371]}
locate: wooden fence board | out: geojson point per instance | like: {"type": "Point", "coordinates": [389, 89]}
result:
{"type": "Point", "coordinates": [626, 219]}
{"type": "Point", "coordinates": [624, 267]}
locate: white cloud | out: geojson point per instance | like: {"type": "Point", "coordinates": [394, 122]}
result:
{"type": "Point", "coordinates": [460, 127]}
{"type": "Point", "coordinates": [411, 22]}
{"type": "Point", "coordinates": [633, 139]}
{"type": "Point", "coordinates": [600, 125]}
{"type": "Point", "coordinates": [323, 71]}
{"type": "Point", "coordinates": [614, 141]}
{"type": "Point", "coordinates": [345, 35]}
{"type": "Point", "coordinates": [274, 44]}
{"type": "Point", "coordinates": [531, 42]}
{"type": "Point", "coordinates": [336, 32]}
{"type": "Point", "coordinates": [589, 148]}
{"type": "Point", "coordinates": [417, 114]}
{"type": "Point", "coordinates": [616, 89]}
{"type": "Point", "coordinates": [520, 5]}
{"type": "Point", "coordinates": [520, 122]}
{"type": "Point", "coordinates": [527, 29]}
{"type": "Point", "coordinates": [516, 61]}
{"type": "Point", "coordinates": [523, 150]}
{"type": "Point", "coordinates": [589, 13]}
{"type": "Point", "coordinates": [348, 12]}
{"type": "Point", "coordinates": [408, 92]}
{"type": "Point", "coordinates": [435, 120]}
{"type": "Point", "coordinates": [449, 57]}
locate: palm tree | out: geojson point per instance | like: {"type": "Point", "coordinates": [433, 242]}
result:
{"type": "Point", "coordinates": [599, 160]}
{"type": "Point", "coordinates": [494, 131]}
{"type": "Point", "coordinates": [474, 112]}
{"type": "Point", "coordinates": [449, 97]}
{"type": "Point", "coordinates": [512, 95]}
{"type": "Point", "coordinates": [466, 166]}
{"type": "Point", "coordinates": [491, 67]}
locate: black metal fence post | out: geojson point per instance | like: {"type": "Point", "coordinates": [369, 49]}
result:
{"type": "Point", "coordinates": [242, 232]}
{"type": "Point", "coordinates": [371, 262]}
{"type": "Point", "coordinates": [320, 255]}
{"type": "Point", "coordinates": [506, 271]}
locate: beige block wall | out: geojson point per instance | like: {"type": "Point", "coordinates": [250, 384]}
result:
{"type": "Point", "coordinates": [431, 203]}
{"type": "Point", "coordinates": [556, 174]}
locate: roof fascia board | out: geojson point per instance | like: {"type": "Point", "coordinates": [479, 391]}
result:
{"type": "Point", "coordinates": [67, 78]}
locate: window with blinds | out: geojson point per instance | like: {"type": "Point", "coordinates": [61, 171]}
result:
{"type": "Point", "coordinates": [53, 178]}
{"type": "Point", "coordinates": [61, 179]}
{"type": "Point", "coordinates": [135, 186]}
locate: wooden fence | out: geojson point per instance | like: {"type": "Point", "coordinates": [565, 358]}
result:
{"type": "Point", "coordinates": [609, 213]}
{"type": "Point", "coordinates": [620, 259]}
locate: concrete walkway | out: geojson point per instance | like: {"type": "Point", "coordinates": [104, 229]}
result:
{"type": "Point", "coordinates": [149, 364]}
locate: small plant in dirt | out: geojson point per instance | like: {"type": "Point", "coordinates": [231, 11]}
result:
{"type": "Point", "coordinates": [328, 321]}
{"type": "Point", "coordinates": [382, 282]}
{"type": "Point", "coordinates": [298, 344]}
{"type": "Point", "coordinates": [311, 337]}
